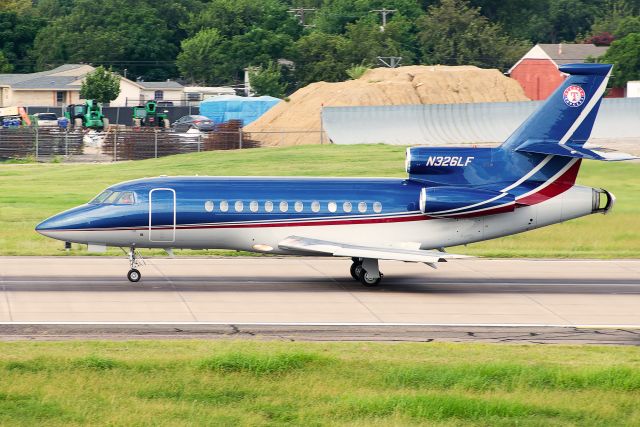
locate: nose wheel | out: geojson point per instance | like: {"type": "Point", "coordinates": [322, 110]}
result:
{"type": "Point", "coordinates": [135, 260]}
{"type": "Point", "coordinates": [134, 275]}
{"type": "Point", "coordinates": [366, 271]}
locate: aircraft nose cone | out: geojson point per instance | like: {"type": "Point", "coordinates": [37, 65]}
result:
{"type": "Point", "coordinates": [46, 226]}
{"type": "Point", "coordinates": [76, 218]}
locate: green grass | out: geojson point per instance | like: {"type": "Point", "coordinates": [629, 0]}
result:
{"type": "Point", "coordinates": [262, 383]}
{"type": "Point", "coordinates": [32, 192]}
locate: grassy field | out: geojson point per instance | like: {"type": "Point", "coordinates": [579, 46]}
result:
{"type": "Point", "coordinates": [32, 192]}
{"type": "Point", "coordinates": [357, 384]}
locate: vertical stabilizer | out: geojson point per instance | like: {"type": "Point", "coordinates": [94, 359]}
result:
{"type": "Point", "coordinates": [564, 122]}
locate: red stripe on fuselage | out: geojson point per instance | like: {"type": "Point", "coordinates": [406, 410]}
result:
{"type": "Point", "coordinates": [559, 186]}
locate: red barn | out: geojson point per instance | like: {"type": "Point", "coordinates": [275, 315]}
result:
{"type": "Point", "coordinates": [537, 71]}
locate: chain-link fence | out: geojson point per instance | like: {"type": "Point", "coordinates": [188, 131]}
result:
{"type": "Point", "coordinates": [39, 143]}
{"type": "Point", "coordinates": [126, 143]}
{"type": "Point", "coordinates": [141, 144]}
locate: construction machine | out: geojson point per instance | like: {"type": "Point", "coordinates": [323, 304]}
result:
{"type": "Point", "coordinates": [147, 115]}
{"type": "Point", "coordinates": [88, 115]}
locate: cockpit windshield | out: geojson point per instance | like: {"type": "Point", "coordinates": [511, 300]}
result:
{"type": "Point", "coordinates": [108, 197]}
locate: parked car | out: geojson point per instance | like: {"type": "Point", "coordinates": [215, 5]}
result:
{"type": "Point", "coordinates": [186, 123]}
{"type": "Point", "coordinates": [46, 119]}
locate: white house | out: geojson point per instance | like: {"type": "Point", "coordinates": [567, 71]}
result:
{"type": "Point", "coordinates": [61, 86]}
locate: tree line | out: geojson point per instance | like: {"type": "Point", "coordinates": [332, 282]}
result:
{"type": "Point", "coordinates": [291, 43]}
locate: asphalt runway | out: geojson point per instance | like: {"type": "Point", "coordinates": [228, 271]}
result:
{"type": "Point", "coordinates": [315, 298]}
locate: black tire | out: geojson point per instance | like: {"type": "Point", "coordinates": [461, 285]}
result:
{"type": "Point", "coordinates": [367, 280]}
{"type": "Point", "coordinates": [134, 275]}
{"type": "Point", "coordinates": [356, 267]}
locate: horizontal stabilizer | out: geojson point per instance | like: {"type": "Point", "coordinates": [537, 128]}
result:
{"type": "Point", "coordinates": [324, 247]}
{"type": "Point", "coordinates": [578, 151]}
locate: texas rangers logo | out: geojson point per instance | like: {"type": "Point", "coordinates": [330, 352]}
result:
{"type": "Point", "coordinates": [573, 96]}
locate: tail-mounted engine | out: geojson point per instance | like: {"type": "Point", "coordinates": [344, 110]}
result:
{"type": "Point", "coordinates": [603, 201]}
{"type": "Point", "coordinates": [461, 202]}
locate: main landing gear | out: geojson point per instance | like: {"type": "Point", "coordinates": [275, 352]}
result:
{"type": "Point", "coordinates": [135, 260]}
{"type": "Point", "coordinates": [365, 270]}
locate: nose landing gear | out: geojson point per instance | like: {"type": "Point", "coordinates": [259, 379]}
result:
{"type": "Point", "coordinates": [135, 260]}
{"type": "Point", "coordinates": [366, 271]}
{"type": "Point", "coordinates": [134, 275]}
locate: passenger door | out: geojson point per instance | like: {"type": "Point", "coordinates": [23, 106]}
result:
{"type": "Point", "coordinates": [162, 215]}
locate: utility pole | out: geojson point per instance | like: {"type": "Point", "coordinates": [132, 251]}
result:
{"type": "Point", "coordinates": [389, 61]}
{"type": "Point", "coordinates": [384, 12]}
{"type": "Point", "coordinates": [299, 12]}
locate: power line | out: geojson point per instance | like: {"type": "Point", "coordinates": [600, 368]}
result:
{"type": "Point", "coordinates": [299, 13]}
{"type": "Point", "coordinates": [384, 12]}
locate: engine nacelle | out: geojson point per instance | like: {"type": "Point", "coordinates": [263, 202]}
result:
{"type": "Point", "coordinates": [463, 202]}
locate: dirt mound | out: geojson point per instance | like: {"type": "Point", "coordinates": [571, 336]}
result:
{"type": "Point", "coordinates": [411, 85]}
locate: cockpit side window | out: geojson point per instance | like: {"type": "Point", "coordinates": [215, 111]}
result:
{"type": "Point", "coordinates": [127, 198]}
{"type": "Point", "coordinates": [100, 198]}
{"type": "Point", "coordinates": [109, 197]}
{"type": "Point", "coordinates": [112, 197]}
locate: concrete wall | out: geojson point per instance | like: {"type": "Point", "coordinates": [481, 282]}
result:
{"type": "Point", "coordinates": [461, 123]}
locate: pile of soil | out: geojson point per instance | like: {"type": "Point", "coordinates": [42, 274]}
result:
{"type": "Point", "coordinates": [411, 85]}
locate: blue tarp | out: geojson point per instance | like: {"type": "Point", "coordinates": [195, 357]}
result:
{"type": "Point", "coordinates": [230, 107]}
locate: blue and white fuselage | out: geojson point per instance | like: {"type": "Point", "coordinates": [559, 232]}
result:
{"type": "Point", "coordinates": [451, 196]}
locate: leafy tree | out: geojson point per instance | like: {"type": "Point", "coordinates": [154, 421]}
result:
{"type": "Point", "coordinates": [202, 57]}
{"type": "Point", "coordinates": [122, 33]}
{"type": "Point", "coordinates": [317, 56]}
{"type": "Point", "coordinates": [236, 17]}
{"type": "Point", "coordinates": [618, 19]}
{"type": "Point", "coordinates": [542, 21]}
{"type": "Point", "coordinates": [101, 85]}
{"type": "Point", "coordinates": [336, 15]}
{"type": "Point", "coordinates": [17, 33]}
{"type": "Point", "coordinates": [456, 34]}
{"type": "Point", "coordinates": [364, 41]}
{"type": "Point", "coordinates": [228, 36]}
{"type": "Point", "coordinates": [54, 8]}
{"type": "Point", "coordinates": [5, 65]}
{"type": "Point", "coordinates": [626, 26]}
{"type": "Point", "coordinates": [267, 81]}
{"type": "Point", "coordinates": [625, 55]}
{"type": "Point", "coordinates": [15, 5]}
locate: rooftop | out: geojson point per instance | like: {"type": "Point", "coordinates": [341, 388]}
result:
{"type": "Point", "coordinates": [567, 53]}
{"type": "Point", "coordinates": [59, 78]}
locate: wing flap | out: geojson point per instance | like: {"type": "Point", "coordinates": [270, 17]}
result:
{"type": "Point", "coordinates": [324, 247]}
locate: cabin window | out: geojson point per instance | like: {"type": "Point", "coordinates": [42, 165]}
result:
{"type": "Point", "coordinates": [315, 206]}
{"type": "Point", "coordinates": [239, 206]}
{"type": "Point", "coordinates": [298, 206]}
{"type": "Point", "coordinates": [332, 206]}
{"type": "Point", "coordinates": [377, 207]}
{"type": "Point", "coordinates": [268, 206]}
{"type": "Point", "coordinates": [346, 206]}
{"type": "Point", "coordinates": [284, 206]}
{"type": "Point", "coordinates": [362, 207]}
{"type": "Point", "coordinates": [253, 206]}
{"type": "Point", "coordinates": [224, 205]}
{"type": "Point", "coordinates": [208, 206]}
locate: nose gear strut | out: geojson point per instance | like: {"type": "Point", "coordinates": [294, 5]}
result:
{"type": "Point", "coordinates": [135, 260]}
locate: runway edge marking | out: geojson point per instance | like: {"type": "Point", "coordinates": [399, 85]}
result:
{"type": "Point", "coordinates": [501, 325]}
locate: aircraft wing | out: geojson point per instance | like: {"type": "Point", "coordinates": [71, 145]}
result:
{"type": "Point", "coordinates": [324, 247]}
